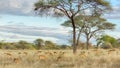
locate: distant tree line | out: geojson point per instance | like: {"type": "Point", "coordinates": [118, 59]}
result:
{"type": "Point", "coordinates": [104, 41]}
{"type": "Point", "coordinates": [36, 45]}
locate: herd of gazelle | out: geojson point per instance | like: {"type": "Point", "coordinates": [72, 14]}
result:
{"type": "Point", "coordinates": [44, 55]}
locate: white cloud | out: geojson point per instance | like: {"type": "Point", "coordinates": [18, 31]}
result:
{"type": "Point", "coordinates": [115, 13]}
{"type": "Point", "coordinates": [19, 7]}
{"type": "Point", "coordinates": [12, 37]}
{"type": "Point", "coordinates": [30, 33]}
{"type": "Point", "coordinates": [25, 7]}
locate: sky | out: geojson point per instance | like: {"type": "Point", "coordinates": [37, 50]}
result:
{"type": "Point", "coordinates": [18, 21]}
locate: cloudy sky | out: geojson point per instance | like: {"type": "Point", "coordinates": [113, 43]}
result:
{"type": "Point", "coordinates": [19, 22]}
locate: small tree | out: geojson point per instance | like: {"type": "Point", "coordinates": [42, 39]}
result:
{"type": "Point", "coordinates": [39, 43]}
{"type": "Point", "coordinates": [106, 41]}
{"type": "Point", "coordinates": [49, 45]}
{"type": "Point", "coordinates": [95, 25]}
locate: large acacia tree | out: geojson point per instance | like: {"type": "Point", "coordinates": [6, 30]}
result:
{"type": "Point", "coordinates": [70, 9]}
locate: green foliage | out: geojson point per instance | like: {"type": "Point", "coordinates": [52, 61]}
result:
{"type": "Point", "coordinates": [107, 38]}
{"type": "Point", "coordinates": [65, 47]}
{"type": "Point", "coordinates": [107, 41]}
{"type": "Point", "coordinates": [94, 22]}
{"type": "Point", "coordinates": [39, 43]}
{"type": "Point", "coordinates": [4, 45]}
{"type": "Point", "coordinates": [22, 45]}
{"type": "Point", "coordinates": [106, 45]}
{"type": "Point", "coordinates": [78, 21]}
{"type": "Point", "coordinates": [104, 3]}
{"type": "Point", "coordinates": [49, 45]}
{"type": "Point", "coordinates": [16, 45]}
{"type": "Point", "coordinates": [69, 7]}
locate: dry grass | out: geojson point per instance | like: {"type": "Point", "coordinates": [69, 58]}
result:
{"type": "Point", "coordinates": [60, 59]}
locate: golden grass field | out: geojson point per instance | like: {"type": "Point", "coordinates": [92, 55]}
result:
{"type": "Point", "coordinates": [60, 58]}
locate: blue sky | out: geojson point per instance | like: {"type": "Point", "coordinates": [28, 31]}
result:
{"type": "Point", "coordinates": [30, 20]}
{"type": "Point", "coordinates": [19, 22]}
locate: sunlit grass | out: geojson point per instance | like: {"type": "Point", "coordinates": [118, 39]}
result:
{"type": "Point", "coordinates": [60, 58]}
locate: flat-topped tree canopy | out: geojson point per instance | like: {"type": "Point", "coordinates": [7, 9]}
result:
{"type": "Point", "coordinates": [71, 9]}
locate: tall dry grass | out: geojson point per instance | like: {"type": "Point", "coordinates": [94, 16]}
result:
{"type": "Point", "coordinates": [60, 59]}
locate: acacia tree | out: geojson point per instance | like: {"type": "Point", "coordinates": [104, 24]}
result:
{"type": "Point", "coordinates": [70, 9]}
{"type": "Point", "coordinates": [90, 26]}
{"type": "Point", "coordinates": [95, 25]}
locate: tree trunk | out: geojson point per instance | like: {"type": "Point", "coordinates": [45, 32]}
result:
{"type": "Point", "coordinates": [87, 43]}
{"type": "Point", "coordinates": [74, 41]}
{"type": "Point", "coordinates": [78, 37]}
{"type": "Point", "coordinates": [74, 37]}
{"type": "Point", "coordinates": [79, 34]}
{"type": "Point", "coordinates": [97, 46]}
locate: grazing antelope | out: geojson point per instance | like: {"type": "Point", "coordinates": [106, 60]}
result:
{"type": "Point", "coordinates": [59, 58]}
{"type": "Point", "coordinates": [55, 52]}
{"type": "Point", "coordinates": [94, 50]}
{"type": "Point", "coordinates": [8, 54]}
{"type": "Point", "coordinates": [50, 54]}
{"type": "Point", "coordinates": [42, 57]}
{"type": "Point", "coordinates": [39, 51]}
{"type": "Point", "coordinates": [98, 53]}
{"type": "Point", "coordinates": [62, 53]}
{"type": "Point", "coordinates": [83, 55]}
{"type": "Point", "coordinates": [16, 60]}
{"type": "Point", "coordinates": [19, 52]}
{"type": "Point", "coordinates": [110, 51]}
{"type": "Point", "coordinates": [46, 52]}
{"type": "Point", "coordinates": [25, 53]}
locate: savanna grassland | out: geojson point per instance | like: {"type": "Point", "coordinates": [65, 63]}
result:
{"type": "Point", "coordinates": [92, 58]}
